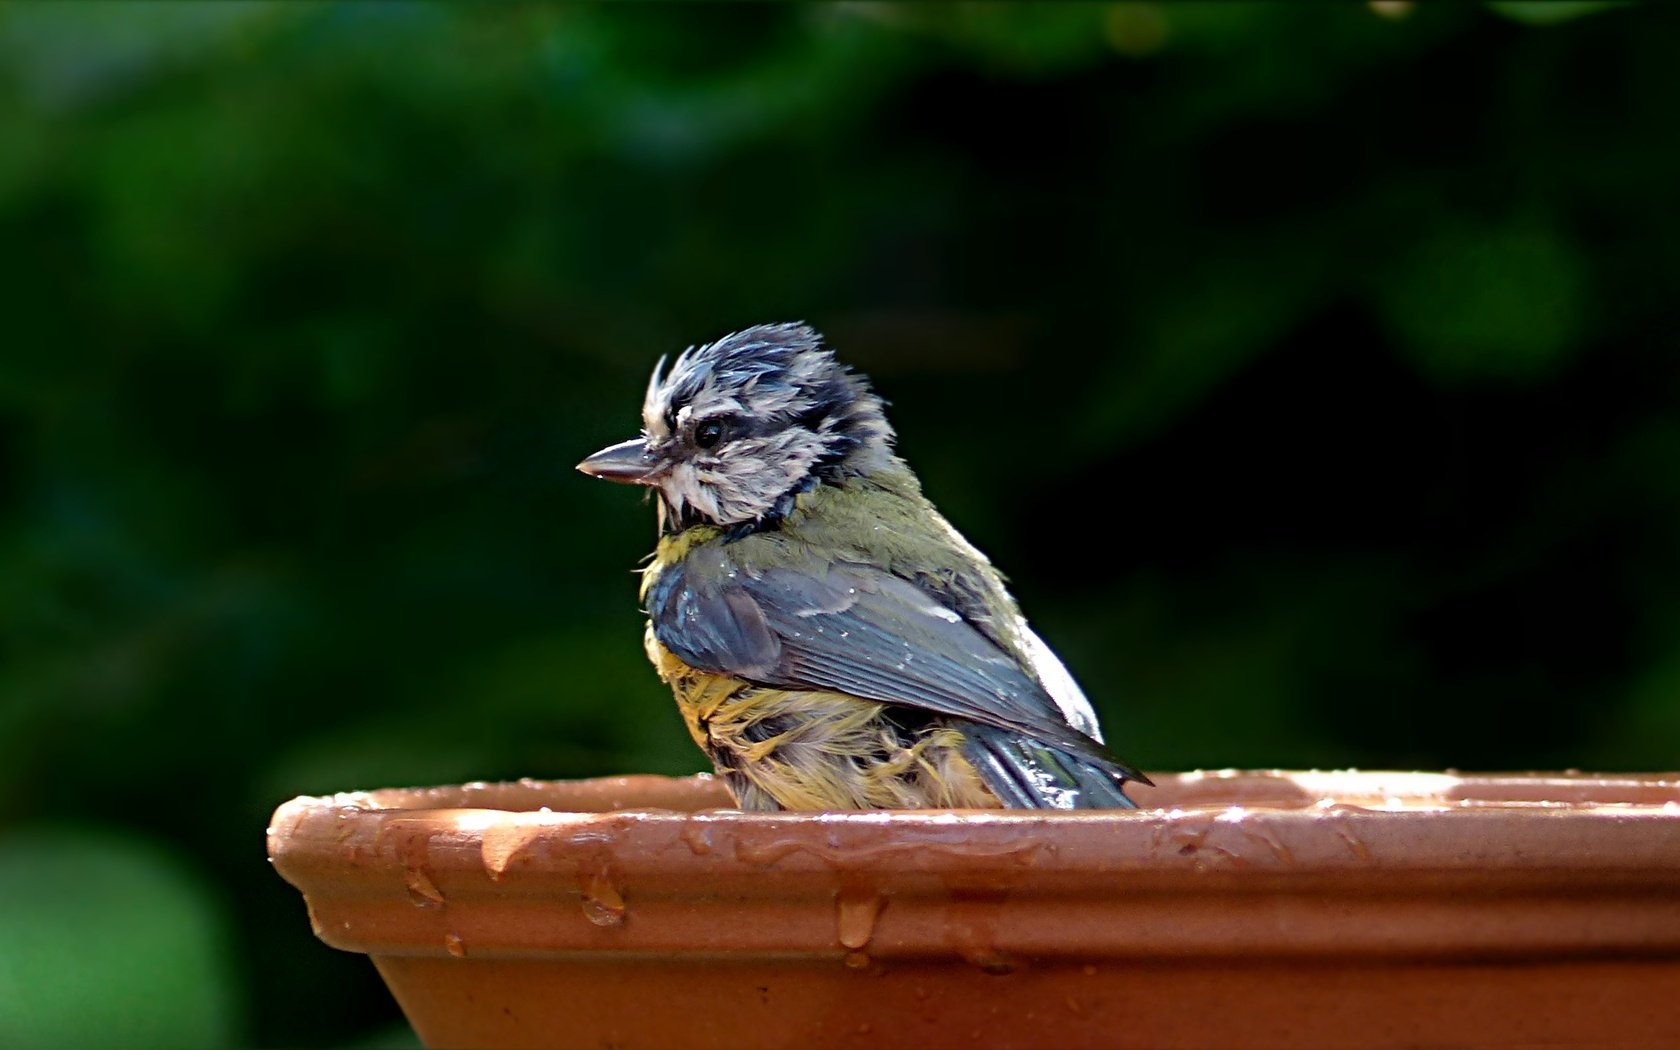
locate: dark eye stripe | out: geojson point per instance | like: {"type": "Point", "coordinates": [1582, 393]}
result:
{"type": "Point", "coordinates": [812, 417]}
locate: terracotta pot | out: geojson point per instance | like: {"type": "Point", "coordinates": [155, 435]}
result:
{"type": "Point", "coordinates": [1237, 910]}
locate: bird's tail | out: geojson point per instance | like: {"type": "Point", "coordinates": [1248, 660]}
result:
{"type": "Point", "coordinates": [1025, 774]}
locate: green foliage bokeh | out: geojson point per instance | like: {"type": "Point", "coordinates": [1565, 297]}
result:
{"type": "Point", "coordinates": [1357, 318]}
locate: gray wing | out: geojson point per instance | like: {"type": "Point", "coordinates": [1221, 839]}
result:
{"type": "Point", "coordinates": [854, 629]}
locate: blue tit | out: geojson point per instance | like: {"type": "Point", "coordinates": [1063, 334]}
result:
{"type": "Point", "coordinates": [832, 641]}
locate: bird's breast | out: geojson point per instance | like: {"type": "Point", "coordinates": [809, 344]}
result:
{"type": "Point", "coordinates": [809, 749]}
{"type": "Point", "coordinates": [699, 693]}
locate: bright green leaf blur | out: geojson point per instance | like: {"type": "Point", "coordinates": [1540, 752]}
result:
{"type": "Point", "coordinates": [107, 942]}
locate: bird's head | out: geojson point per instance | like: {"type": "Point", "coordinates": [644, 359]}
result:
{"type": "Point", "coordinates": [737, 428]}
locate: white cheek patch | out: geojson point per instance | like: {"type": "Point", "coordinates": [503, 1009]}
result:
{"type": "Point", "coordinates": [742, 486]}
{"type": "Point", "coordinates": [684, 488]}
{"type": "Point", "coordinates": [746, 478]}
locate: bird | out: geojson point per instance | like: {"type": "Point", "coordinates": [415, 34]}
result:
{"type": "Point", "coordinates": [832, 641]}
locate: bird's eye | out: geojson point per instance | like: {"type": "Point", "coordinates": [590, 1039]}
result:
{"type": "Point", "coordinates": [708, 434]}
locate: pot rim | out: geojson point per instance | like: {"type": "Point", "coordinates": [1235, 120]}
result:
{"type": "Point", "coordinates": [1268, 862]}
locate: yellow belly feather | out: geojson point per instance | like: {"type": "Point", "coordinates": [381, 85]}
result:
{"type": "Point", "coordinates": [815, 749]}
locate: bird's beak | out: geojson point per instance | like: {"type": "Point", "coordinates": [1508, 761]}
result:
{"type": "Point", "coordinates": [627, 463]}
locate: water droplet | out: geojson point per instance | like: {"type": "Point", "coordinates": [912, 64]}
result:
{"type": "Point", "coordinates": [857, 960]}
{"type": "Point", "coordinates": [1283, 853]}
{"type": "Point", "coordinates": [857, 915]}
{"type": "Point", "coordinates": [602, 903]}
{"type": "Point", "coordinates": [698, 838]}
{"type": "Point", "coordinates": [1354, 845]}
{"type": "Point", "coordinates": [422, 891]}
{"type": "Point", "coordinates": [454, 945]}
{"type": "Point", "coordinates": [988, 960]}
{"type": "Point", "coordinates": [502, 843]}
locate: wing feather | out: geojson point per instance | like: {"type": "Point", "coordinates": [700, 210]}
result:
{"type": "Point", "coordinates": [856, 629]}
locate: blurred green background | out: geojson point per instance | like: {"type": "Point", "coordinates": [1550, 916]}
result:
{"type": "Point", "coordinates": [1361, 315]}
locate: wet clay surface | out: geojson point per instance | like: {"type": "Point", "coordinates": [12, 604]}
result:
{"type": "Point", "coordinates": [1420, 902]}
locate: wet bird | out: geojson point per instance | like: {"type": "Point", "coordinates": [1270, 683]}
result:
{"type": "Point", "coordinates": [832, 641]}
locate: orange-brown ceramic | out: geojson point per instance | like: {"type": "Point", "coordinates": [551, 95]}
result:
{"type": "Point", "coordinates": [1235, 909]}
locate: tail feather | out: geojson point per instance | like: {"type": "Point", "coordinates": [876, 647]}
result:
{"type": "Point", "coordinates": [1025, 774]}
